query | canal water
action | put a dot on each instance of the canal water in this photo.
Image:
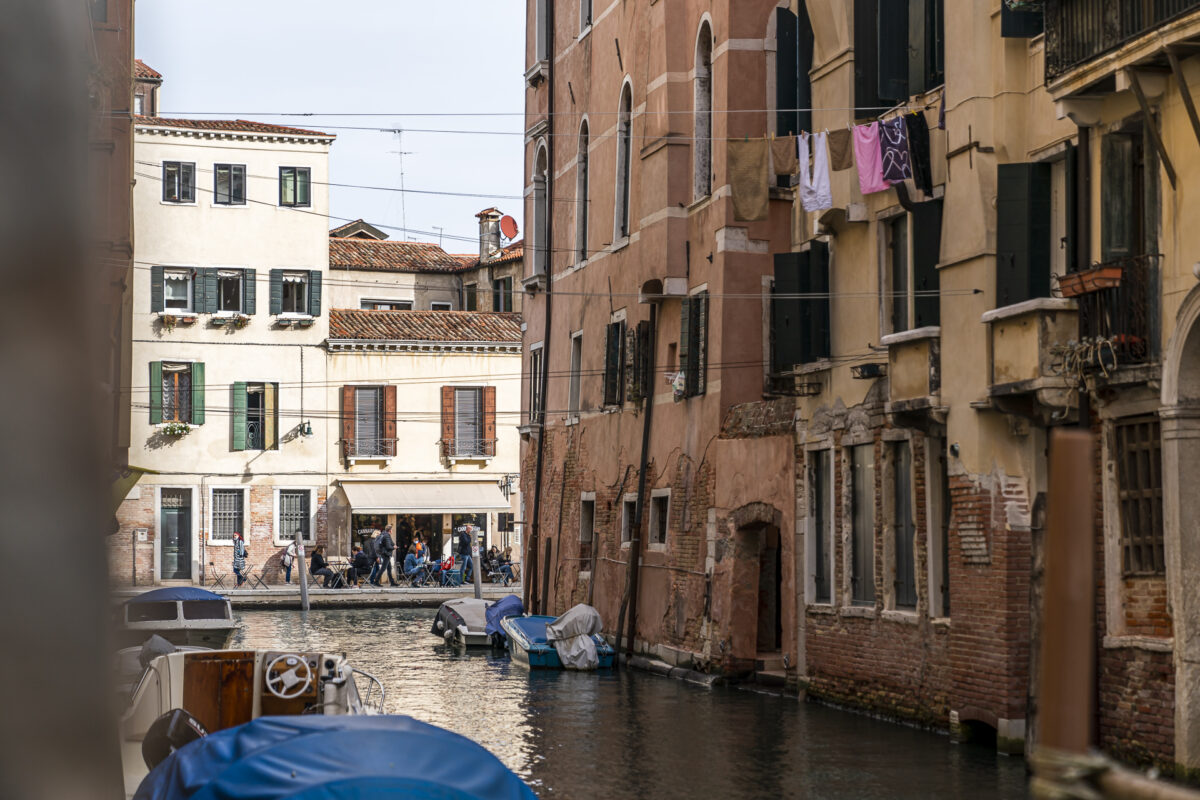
(635, 735)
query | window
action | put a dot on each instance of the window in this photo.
(628, 513)
(862, 515)
(614, 364)
(386, 305)
(541, 32)
(702, 111)
(468, 424)
(897, 238)
(1026, 216)
(582, 193)
(295, 516)
(800, 315)
(585, 14)
(176, 392)
(139, 104)
(436, 306)
(502, 294)
(624, 164)
(1129, 214)
(904, 528)
(693, 344)
(587, 519)
(535, 384)
(913, 244)
(939, 528)
(793, 62)
(576, 366)
(229, 290)
(179, 182)
(470, 297)
(255, 416)
(177, 290)
(369, 422)
(294, 186)
(294, 293)
(229, 184)
(227, 511)
(660, 501)
(822, 528)
(1139, 493)
(898, 52)
(541, 213)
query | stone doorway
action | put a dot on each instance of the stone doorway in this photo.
(770, 592)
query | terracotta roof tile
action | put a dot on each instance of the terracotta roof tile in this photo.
(390, 256)
(141, 70)
(514, 252)
(424, 326)
(229, 125)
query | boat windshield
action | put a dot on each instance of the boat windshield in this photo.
(205, 609)
(150, 612)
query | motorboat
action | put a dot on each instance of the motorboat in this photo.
(187, 695)
(462, 621)
(183, 615)
(509, 606)
(571, 641)
(131, 662)
(311, 757)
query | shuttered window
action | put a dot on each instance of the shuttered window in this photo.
(638, 362)
(471, 297)
(502, 294)
(903, 528)
(1139, 492)
(295, 292)
(1022, 23)
(624, 164)
(614, 364)
(693, 344)
(800, 310)
(926, 254)
(535, 385)
(368, 420)
(177, 290)
(793, 61)
(468, 422)
(1023, 219)
(227, 514)
(862, 482)
(255, 416)
(573, 388)
(899, 51)
(176, 392)
(822, 528)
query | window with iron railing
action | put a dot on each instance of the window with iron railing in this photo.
(294, 514)
(469, 440)
(1139, 490)
(1078, 31)
(369, 440)
(227, 513)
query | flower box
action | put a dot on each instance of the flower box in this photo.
(1086, 281)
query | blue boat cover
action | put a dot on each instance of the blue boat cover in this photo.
(510, 606)
(344, 757)
(173, 593)
(534, 628)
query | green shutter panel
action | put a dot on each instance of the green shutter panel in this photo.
(249, 291)
(198, 393)
(927, 252)
(891, 27)
(700, 341)
(210, 291)
(1022, 232)
(685, 339)
(787, 72)
(314, 293)
(276, 291)
(1117, 210)
(917, 10)
(198, 294)
(156, 289)
(805, 45)
(612, 365)
(156, 398)
(815, 281)
(785, 313)
(271, 424)
(1072, 211)
(238, 416)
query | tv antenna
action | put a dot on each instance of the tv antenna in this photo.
(402, 153)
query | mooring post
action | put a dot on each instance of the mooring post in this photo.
(303, 567)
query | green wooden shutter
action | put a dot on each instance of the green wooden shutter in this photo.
(1022, 232)
(314, 293)
(156, 394)
(238, 416)
(917, 71)
(814, 280)
(199, 291)
(685, 339)
(198, 393)
(1020, 24)
(271, 422)
(787, 72)
(891, 28)
(156, 289)
(785, 312)
(805, 45)
(1117, 225)
(700, 341)
(210, 291)
(927, 252)
(249, 291)
(276, 291)
(612, 363)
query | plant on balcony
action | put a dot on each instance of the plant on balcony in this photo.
(175, 428)
(1024, 5)
(1086, 281)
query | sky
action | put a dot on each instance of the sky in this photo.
(226, 59)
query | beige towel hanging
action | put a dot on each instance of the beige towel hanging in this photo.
(841, 151)
(748, 179)
(783, 155)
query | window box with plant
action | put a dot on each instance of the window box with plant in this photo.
(174, 428)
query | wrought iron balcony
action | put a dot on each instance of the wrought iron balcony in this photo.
(1078, 31)
(469, 448)
(370, 448)
(1119, 318)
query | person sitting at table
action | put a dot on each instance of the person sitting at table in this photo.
(319, 566)
(413, 567)
(506, 561)
(360, 565)
(445, 567)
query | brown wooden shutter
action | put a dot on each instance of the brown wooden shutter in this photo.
(489, 420)
(447, 417)
(347, 418)
(389, 419)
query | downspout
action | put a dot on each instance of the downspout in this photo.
(533, 601)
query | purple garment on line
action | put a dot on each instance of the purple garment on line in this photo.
(866, 155)
(893, 150)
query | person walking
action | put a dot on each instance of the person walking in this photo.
(384, 547)
(288, 560)
(466, 537)
(318, 566)
(369, 548)
(239, 559)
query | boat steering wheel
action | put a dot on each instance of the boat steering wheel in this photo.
(292, 683)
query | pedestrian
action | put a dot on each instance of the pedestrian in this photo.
(288, 560)
(239, 559)
(368, 545)
(466, 538)
(384, 547)
(319, 566)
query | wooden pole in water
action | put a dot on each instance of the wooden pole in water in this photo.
(303, 567)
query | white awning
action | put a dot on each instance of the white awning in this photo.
(424, 497)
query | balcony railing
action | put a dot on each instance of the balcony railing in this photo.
(1078, 31)
(370, 448)
(469, 448)
(1121, 317)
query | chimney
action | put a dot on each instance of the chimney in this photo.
(489, 234)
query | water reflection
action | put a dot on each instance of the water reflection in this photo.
(635, 735)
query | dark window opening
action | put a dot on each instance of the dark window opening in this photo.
(294, 514)
(821, 502)
(614, 364)
(658, 519)
(899, 51)
(1139, 492)
(502, 294)
(904, 527)
(862, 476)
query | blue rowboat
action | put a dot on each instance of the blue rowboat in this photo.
(528, 645)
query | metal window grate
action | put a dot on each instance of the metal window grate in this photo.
(293, 513)
(1139, 492)
(227, 513)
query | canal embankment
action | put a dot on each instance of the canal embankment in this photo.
(288, 597)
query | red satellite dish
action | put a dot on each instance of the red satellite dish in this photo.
(508, 226)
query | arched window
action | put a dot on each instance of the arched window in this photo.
(581, 197)
(702, 143)
(624, 163)
(541, 212)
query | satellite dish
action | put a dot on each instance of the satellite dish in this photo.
(508, 226)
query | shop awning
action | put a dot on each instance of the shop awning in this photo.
(424, 497)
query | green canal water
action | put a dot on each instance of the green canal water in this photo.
(634, 735)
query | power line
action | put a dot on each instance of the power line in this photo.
(576, 113)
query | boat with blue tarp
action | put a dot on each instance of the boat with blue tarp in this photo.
(571, 641)
(183, 615)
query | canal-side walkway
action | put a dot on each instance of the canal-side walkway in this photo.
(284, 597)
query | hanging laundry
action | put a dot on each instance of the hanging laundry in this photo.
(748, 179)
(866, 155)
(893, 149)
(942, 113)
(783, 155)
(840, 155)
(815, 194)
(918, 148)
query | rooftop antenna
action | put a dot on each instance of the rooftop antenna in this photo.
(402, 153)
(439, 229)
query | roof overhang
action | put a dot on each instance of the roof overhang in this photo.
(424, 497)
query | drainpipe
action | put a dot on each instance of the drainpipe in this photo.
(635, 535)
(533, 601)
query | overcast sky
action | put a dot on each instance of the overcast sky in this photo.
(250, 57)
